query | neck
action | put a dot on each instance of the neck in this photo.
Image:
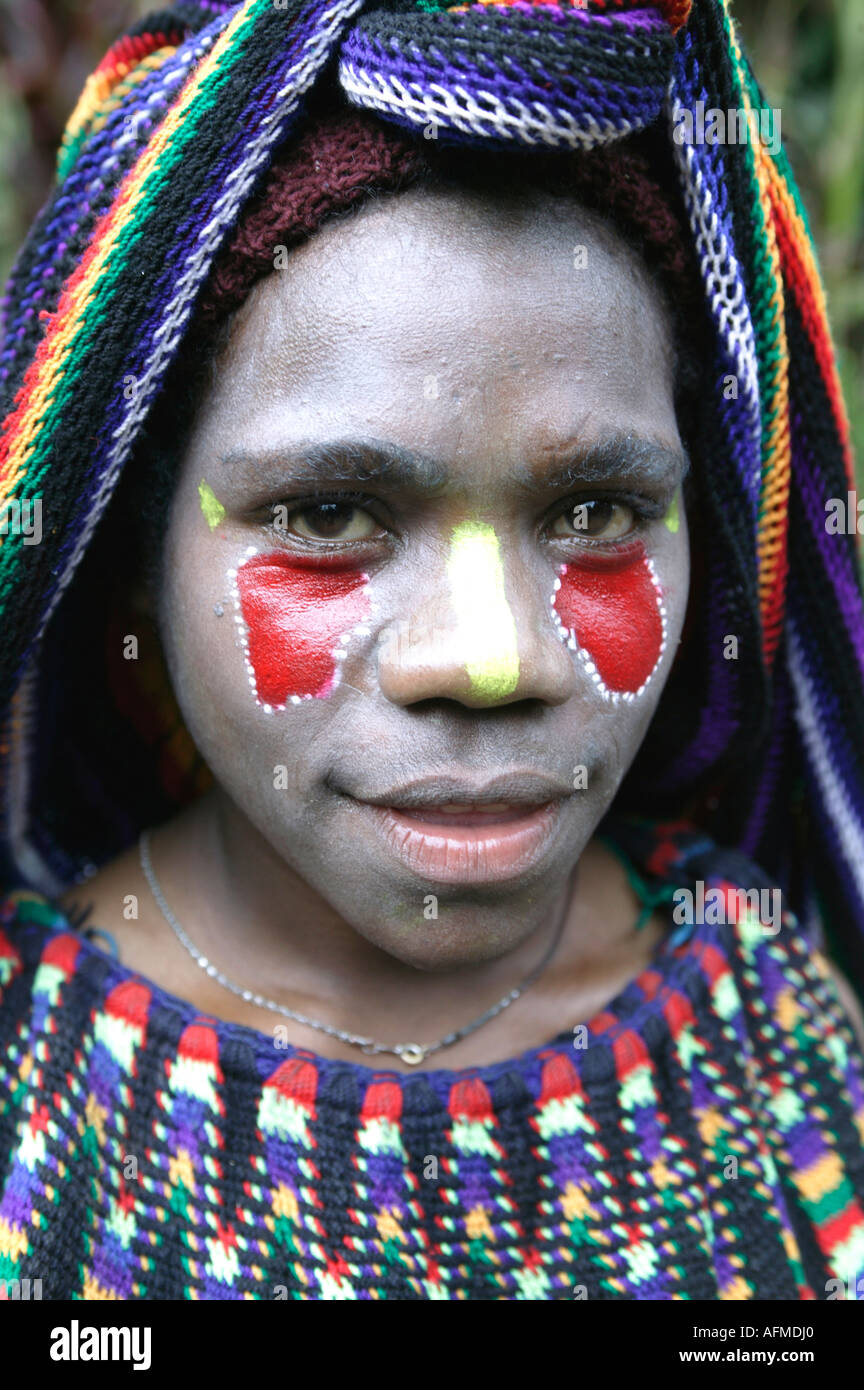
(268, 930)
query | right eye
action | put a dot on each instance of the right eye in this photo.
(598, 518)
(332, 521)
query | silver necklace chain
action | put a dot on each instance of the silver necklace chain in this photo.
(412, 1053)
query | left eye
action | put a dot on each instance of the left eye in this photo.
(333, 521)
(598, 519)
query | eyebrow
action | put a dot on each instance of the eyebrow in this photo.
(363, 461)
(615, 457)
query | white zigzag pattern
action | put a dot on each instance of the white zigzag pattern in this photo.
(457, 107)
(721, 274)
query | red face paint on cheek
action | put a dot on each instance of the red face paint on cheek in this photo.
(611, 608)
(296, 620)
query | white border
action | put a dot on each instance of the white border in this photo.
(339, 652)
(568, 637)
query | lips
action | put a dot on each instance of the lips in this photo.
(467, 813)
(448, 832)
(452, 850)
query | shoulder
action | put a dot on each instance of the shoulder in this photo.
(710, 884)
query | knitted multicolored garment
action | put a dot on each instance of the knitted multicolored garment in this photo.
(706, 1140)
(701, 1138)
(173, 135)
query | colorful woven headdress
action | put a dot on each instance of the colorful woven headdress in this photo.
(174, 134)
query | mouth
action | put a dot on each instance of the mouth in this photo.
(450, 833)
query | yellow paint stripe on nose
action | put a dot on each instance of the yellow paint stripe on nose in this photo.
(486, 626)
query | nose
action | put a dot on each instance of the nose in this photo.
(477, 636)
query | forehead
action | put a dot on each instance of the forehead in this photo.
(455, 323)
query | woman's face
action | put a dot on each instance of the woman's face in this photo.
(426, 563)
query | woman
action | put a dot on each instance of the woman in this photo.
(390, 750)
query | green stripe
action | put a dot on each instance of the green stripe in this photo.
(830, 1205)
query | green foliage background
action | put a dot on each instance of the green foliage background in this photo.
(808, 56)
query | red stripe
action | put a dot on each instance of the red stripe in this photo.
(795, 274)
(131, 48)
(839, 1228)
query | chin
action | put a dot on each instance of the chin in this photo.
(461, 935)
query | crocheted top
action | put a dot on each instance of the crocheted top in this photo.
(702, 1137)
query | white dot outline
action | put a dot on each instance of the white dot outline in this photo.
(339, 652)
(568, 637)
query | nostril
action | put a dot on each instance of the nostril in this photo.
(470, 644)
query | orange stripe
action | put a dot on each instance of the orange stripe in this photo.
(803, 274)
(777, 459)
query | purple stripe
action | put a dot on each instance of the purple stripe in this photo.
(772, 764)
(846, 887)
(832, 726)
(718, 721)
(623, 106)
(628, 19)
(837, 559)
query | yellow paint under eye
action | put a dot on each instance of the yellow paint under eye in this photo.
(486, 626)
(212, 508)
(672, 519)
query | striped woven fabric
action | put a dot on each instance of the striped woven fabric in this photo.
(172, 135)
(700, 1138)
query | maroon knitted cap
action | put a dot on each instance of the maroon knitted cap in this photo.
(346, 155)
(340, 159)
